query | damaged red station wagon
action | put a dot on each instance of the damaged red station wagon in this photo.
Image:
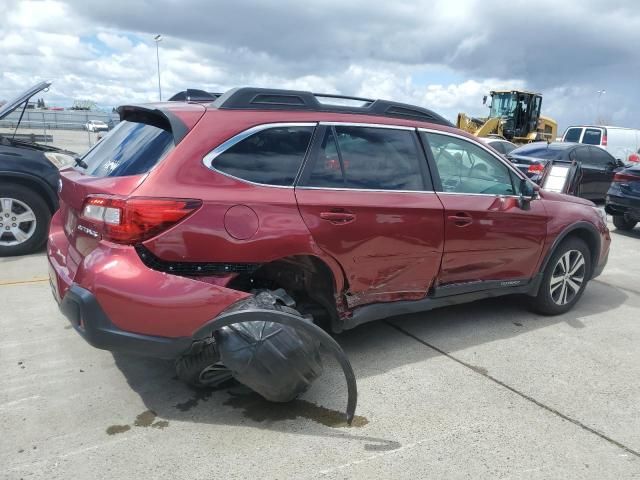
(343, 210)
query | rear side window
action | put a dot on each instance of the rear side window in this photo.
(573, 135)
(368, 158)
(592, 136)
(131, 148)
(270, 157)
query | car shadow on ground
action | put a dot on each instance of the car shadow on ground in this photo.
(635, 233)
(374, 349)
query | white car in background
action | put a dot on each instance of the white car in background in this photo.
(622, 143)
(96, 126)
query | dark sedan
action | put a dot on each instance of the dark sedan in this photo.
(623, 198)
(597, 165)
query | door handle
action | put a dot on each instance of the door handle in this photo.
(461, 219)
(338, 218)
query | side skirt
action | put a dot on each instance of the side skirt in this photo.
(443, 297)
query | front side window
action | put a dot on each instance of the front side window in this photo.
(466, 168)
(600, 158)
(367, 158)
(271, 157)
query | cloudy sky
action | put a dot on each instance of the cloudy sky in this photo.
(441, 54)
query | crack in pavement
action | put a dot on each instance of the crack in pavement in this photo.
(517, 392)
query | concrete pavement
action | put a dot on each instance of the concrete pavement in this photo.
(485, 390)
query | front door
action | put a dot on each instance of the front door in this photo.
(366, 197)
(489, 239)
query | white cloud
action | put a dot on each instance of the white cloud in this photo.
(104, 51)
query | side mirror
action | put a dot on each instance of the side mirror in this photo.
(528, 193)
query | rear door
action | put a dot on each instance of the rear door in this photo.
(489, 240)
(367, 199)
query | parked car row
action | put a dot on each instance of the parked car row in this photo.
(622, 143)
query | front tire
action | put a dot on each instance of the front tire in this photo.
(565, 278)
(24, 220)
(623, 222)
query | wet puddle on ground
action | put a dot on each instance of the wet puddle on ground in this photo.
(256, 408)
(145, 419)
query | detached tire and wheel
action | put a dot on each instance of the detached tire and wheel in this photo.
(565, 278)
(24, 220)
(203, 369)
(623, 222)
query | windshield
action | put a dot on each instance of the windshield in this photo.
(502, 105)
(130, 148)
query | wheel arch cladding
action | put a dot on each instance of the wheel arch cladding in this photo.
(584, 231)
(33, 183)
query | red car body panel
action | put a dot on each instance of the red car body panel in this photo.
(390, 250)
(500, 241)
(383, 246)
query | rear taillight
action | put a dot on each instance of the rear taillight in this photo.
(535, 168)
(133, 220)
(604, 140)
(625, 177)
(634, 158)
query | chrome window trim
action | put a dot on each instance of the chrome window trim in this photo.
(486, 148)
(346, 189)
(367, 125)
(208, 159)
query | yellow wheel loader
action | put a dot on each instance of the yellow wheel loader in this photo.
(514, 115)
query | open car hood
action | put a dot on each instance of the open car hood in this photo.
(15, 102)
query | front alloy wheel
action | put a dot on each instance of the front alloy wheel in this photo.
(17, 222)
(567, 277)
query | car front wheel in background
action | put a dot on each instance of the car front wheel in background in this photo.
(24, 220)
(623, 222)
(565, 278)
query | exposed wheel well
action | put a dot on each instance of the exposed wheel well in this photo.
(306, 278)
(32, 185)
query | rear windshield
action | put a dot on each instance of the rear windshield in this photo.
(573, 135)
(592, 136)
(131, 148)
(544, 151)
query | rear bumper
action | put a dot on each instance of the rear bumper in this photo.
(616, 205)
(89, 319)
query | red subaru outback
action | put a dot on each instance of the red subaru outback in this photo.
(344, 210)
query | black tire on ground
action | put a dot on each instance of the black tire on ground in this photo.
(544, 302)
(42, 214)
(203, 369)
(623, 222)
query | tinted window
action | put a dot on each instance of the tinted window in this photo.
(498, 146)
(600, 158)
(508, 147)
(581, 155)
(271, 157)
(131, 148)
(368, 158)
(591, 136)
(573, 135)
(466, 168)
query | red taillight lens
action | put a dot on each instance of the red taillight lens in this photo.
(604, 140)
(634, 157)
(626, 177)
(536, 168)
(134, 220)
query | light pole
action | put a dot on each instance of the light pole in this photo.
(158, 39)
(599, 92)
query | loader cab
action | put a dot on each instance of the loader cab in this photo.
(519, 111)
